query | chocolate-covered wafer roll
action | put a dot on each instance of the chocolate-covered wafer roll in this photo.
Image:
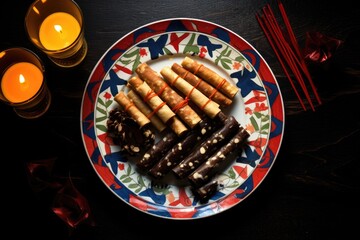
(176, 102)
(182, 148)
(207, 105)
(207, 148)
(203, 86)
(205, 192)
(158, 150)
(210, 167)
(210, 76)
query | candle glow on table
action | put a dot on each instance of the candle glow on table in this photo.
(58, 31)
(21, 82)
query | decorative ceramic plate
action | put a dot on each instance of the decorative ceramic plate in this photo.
(258, 107)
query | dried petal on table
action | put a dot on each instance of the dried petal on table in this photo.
(319, 47)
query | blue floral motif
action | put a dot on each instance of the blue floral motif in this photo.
(249, 158)
(204, 41)
(113, 159)
(245, 82)
(113, 83)
(149, 192)
(156, 47)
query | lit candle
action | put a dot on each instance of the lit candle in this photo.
(21, 81)
(58, 31)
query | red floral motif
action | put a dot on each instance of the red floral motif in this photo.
(121, 166)
(122, 69)
(184, 200)
(107, 95)
(250, 128)
(260, 107)
(142, 52)
(237, 66)
(175, 40)
(203, 52)
(258, 97)
(258, 144)
(248, 111)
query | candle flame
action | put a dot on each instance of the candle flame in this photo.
(58, 28)
(21, 78)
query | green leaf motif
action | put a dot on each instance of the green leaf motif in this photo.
(231, 174)
(133, 185)
(167, 51)
(101, 127)
(141, 181)
(190, 47)
(258, 115)
(123, 176)
(125, 61)
(225, 62)
(131, 54)
(265, 126)
(100, 119)
(102, 111)
(108, 103)
(239, 58)
(233, 185)
(128, 170)
(101, 102)
(127, 180)
(136, 63)
(254, 123)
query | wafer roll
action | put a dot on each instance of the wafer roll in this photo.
(210, 76)
(206, 148)
(177, 103)
(146, 110)
(162, 110)
(131, 109)
(210, 167)
(154, 101)
(210, 107)
(203, 86)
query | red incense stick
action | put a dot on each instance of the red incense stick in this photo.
(280, 60)
(297, 48)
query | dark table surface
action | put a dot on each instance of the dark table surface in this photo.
(311, 192)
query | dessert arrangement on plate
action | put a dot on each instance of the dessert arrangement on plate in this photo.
(183, 104)
(182, 118)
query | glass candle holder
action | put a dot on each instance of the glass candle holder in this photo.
(56, 27)
(23, 84)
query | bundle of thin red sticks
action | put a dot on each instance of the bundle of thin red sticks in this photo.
(288, 52)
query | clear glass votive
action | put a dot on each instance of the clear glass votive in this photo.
(23, 85)
(56, 27)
